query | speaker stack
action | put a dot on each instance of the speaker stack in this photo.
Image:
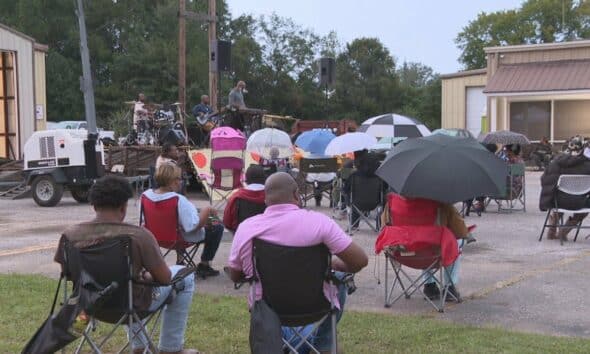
(221, 55)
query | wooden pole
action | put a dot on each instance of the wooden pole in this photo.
(182, 54)
(212, 69)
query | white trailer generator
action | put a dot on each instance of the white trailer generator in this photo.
(59, 159)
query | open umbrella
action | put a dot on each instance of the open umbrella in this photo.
(263, 140)
(350, 142)
(505, 137)
(394, 125)
(315, 141)
(443, 168)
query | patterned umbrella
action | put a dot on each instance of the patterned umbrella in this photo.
(394, 125)
(505, 137)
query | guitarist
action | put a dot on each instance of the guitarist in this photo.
(202, 110)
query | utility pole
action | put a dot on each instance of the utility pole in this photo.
(211, 19)
(86, 79)
(213, 51)
(182, 54)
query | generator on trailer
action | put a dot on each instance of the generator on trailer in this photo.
(55, 160)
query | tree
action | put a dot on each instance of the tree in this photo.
(536, 21)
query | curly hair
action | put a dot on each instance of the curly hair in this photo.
(110, 192)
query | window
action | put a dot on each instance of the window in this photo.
(532, 119)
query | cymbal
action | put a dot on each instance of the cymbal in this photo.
(176, 104)
(129, 102)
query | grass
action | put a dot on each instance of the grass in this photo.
(219, 324)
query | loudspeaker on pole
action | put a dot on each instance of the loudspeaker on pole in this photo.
(327, 72)
(221, 55)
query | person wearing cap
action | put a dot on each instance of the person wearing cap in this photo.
(575, 161)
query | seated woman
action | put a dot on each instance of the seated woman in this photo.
(195, 226)
(274, 163)
(446, 215)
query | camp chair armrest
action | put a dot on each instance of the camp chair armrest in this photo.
(180, 275)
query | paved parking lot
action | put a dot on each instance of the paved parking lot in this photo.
(508, 278)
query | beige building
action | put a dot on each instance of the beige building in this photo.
(540, 90)
(22, 90)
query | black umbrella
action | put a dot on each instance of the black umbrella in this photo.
(443, 168)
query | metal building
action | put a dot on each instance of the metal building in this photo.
(540, 90)
(22, 90)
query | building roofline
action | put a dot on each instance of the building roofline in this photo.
(538, 47)
(464, 73)
(37, 46)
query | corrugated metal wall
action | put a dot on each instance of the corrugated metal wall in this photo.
(24, 72)
(40, 90)
(453, 99)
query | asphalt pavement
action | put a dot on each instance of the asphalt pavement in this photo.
(507, 279)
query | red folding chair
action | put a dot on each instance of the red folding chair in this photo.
(161, 218)
(415, 240)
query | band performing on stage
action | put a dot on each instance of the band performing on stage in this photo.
(154, 124)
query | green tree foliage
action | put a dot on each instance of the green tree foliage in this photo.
(536, 21)
(134, 44)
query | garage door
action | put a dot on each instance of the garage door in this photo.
(476, 104)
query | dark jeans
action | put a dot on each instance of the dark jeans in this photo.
(213, 235)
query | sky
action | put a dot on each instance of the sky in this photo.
(413, 30)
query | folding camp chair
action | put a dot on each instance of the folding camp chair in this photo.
(161, 218)
(308, 184)
(248, 209)
(292, 280)
(573, 186)
(366, 196)
(102, 276)
(338, 196)
(227, 163)
(515, 190)
(413, 219)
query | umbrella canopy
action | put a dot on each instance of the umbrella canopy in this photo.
(387, 143)
(463, 133)
(350, 142)
(505, 137)
(443, 168)
(263, 140)
(394, 125)
(315, 141)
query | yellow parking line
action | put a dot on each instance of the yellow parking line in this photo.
(526, 275)
(29, 249)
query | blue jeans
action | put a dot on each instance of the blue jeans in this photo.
(322, 340)
(452, 271)
(174, 315)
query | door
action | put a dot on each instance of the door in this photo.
(475, 102)
(8, 113)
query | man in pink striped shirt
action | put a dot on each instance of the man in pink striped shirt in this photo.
(285, 223)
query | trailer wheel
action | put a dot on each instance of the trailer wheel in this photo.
(46, 192)
(80, 194)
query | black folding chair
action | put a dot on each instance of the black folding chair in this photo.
(309, 189)
(104, 273)
(247, 209)
(366, 196)
(292, 280)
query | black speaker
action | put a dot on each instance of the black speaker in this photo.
(327, 72)
(221, 55)
(172, 136)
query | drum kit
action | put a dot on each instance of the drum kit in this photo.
(152, 123)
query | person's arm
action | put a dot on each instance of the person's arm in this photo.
(152, 260)
(237, 276)
(190, 219)
(350, 256)
(160, 274)
(351, 260)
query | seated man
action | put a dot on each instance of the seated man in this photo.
(253, 192)
(575, 162)
(285, 223)
(194, 225)
(109, 196)
(450, 218)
